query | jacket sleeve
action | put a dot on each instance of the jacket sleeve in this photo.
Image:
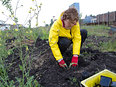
(76, 40)
(53, 40)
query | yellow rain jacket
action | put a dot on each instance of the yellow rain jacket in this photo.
(57, 30)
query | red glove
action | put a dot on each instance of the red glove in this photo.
(62, 64)
(74, 61)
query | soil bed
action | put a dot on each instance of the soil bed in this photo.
(49, 74)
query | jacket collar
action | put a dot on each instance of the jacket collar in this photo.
(62, 22)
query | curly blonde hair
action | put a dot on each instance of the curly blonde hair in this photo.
(71, 14)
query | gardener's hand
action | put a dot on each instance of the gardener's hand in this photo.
(74, 62)
(62, 63)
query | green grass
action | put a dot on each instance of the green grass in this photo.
(97, 30)
(109, 46)
(101, 30)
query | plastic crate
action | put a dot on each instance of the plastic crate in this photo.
(95, 79)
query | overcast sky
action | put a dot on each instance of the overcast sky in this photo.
(52, 8)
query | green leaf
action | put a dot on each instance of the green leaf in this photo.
(30, 80)
(21, 67)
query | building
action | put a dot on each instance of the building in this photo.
(89, 19)
(1, 22)
(76, 5)
(4, 26)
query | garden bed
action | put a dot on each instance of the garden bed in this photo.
(47, 72)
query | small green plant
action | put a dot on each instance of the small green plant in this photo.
(23, 38)
(109, 46)
(74, 81)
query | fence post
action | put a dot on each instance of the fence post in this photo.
(108, 18)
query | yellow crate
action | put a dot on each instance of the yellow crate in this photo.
(90, 82)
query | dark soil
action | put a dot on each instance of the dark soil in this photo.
(47, 72)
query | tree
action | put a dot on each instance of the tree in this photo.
(13, 13)
(52, 20)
